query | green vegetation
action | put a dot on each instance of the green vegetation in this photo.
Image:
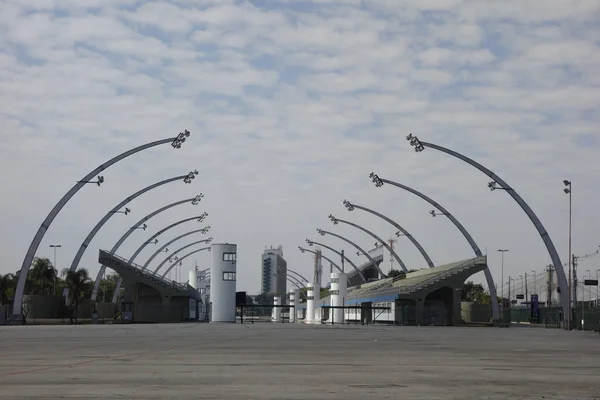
(43, 279)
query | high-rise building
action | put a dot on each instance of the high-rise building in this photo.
(273, 277)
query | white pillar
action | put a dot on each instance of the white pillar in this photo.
(292, 302)
(338, 296)
(193, 278)
(310, 303)
(313, 311)
(276, 314)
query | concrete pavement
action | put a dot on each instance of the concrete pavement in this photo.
(293, 361)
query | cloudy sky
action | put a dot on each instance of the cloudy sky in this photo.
(291, 105)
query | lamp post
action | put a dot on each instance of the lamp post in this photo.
(562, 280)
(323, 232)
(502, 251)
(117, 209)
(401, 231)
(335, 221)
(54, 247)
(379, 182)
(567, 190)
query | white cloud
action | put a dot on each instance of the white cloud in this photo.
(290, 108)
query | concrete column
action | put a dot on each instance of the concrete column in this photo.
(420, 312)
(310, 303)
(276, 314)
(456, 297)
(166, 309)
(292, 302)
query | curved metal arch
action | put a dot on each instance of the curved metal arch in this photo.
(139, 250)
(374, 236)
(126, 235)
(183, 258)
(302, 249)
(157, 234)
(560, 272)
(488, 275)
(297, 274)
(310, 242)
(153, 256)
(176, 252)
(298, 286)
(366, 253)
(109, 215)
(37, 239)
(397, 226)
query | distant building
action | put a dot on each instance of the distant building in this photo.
(273, 271)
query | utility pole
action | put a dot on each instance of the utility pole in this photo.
(574, 263)
(526, 298)
(509, 298)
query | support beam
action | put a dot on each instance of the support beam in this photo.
(37, 239)
(183, 258)
(351, 207)
(374, 236)
(199, 218)
(204, 231)
(358, 271)
(136, 226)
(302, 249)
(112, 212)
(357, 247)
(173, 254)
(488, 275)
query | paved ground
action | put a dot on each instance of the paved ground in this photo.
(275, 361)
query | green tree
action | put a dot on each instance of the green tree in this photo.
(263, 299)
(474, 292)
(7, 288)
(79, 283)
(397, 274)
(43, 276)
(107, 286)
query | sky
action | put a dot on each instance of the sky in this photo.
(291, 104)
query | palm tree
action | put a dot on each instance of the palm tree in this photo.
(7, 288)
(43, 275)
(78, 283)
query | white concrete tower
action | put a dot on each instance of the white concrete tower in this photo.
(313, 295)
(223, 282)
(294, 300)
(339, 292)
(193, 278)
(276, 314)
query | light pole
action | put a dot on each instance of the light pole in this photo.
(54, 247)
(401, 231)
(597, 278)
(176, 142)
(502, 251)
(335, 221)
(568, 190)
(379, 182)
(562, 280)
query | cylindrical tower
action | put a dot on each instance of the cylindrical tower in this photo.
(294, 300)
(338, 296)
(310, 303)
(223, 282)
(313, 295)
(276, 315)
(193, 278)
